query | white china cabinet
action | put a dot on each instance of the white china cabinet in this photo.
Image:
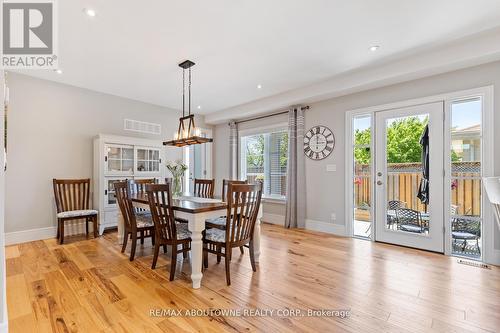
(117, 158)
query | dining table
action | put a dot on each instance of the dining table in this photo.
(196, 211)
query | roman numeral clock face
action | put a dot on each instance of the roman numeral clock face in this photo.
(319, 142)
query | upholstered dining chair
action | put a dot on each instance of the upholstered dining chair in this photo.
(204, 188)
(72, 198)
(167, 231)
(139, 186)
(133, 222)
(220, 222)
(242, 210)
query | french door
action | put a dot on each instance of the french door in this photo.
(409, 186)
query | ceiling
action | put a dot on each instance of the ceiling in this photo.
(131, 48)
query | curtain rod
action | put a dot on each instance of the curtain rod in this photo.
(269, 115)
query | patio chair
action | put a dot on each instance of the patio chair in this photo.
(465, 230)
(409, 220)
(394, 205)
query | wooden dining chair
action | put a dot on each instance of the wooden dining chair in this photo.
(204, 188)
(139, 186)
(72, 198)
(133, 223)
(220, 222)
(167, 231)
(242, 210)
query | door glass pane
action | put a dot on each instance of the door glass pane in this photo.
(362, 177)
(114, 165)
(466, 214)
(407, 181)
(128, 153)
(127, 165)
(114, 152)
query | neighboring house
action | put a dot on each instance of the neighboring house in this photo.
(466, 143)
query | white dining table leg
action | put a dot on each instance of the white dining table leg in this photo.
(120, 223)
(256, 236)
(196, 224)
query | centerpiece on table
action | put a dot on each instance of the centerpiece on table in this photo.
(177, 170)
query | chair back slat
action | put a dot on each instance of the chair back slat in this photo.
(242, 210)
(225, 184)
(71, 194)
(204, 188)
(408, 216)
(159, 197)
(126, 205)
(139, 185)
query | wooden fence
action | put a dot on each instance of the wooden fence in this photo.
(403, 181)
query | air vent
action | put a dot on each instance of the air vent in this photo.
(142, 127)
(473, 263)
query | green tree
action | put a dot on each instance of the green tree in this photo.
(403, 141)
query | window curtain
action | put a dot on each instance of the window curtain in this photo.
(296, 188)
(233, 150)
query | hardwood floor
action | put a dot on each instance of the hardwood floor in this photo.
(89, 286)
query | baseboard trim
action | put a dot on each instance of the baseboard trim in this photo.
(330, 228)
(495, 258)
(273, 219)
(4, 327)
(23, 236)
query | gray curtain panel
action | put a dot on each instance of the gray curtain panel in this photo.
(233, 150)
(296, 187)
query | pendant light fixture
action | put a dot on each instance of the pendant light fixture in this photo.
(187, 133)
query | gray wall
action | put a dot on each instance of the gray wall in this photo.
(3, 297)
(50, 132)
(326, 191)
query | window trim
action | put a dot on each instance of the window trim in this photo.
(279, 127)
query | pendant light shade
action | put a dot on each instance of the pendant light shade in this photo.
(187, 133)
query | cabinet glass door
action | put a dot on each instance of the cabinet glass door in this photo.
(109, 191)
(148, 160)
(120, 159)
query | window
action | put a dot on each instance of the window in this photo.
(361, 164)
(264, 158)
(466, 172)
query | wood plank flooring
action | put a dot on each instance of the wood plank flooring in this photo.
(89, 286)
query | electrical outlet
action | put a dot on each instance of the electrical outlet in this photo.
(333, 216)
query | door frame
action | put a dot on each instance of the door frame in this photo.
(490, 255)
(206, 154)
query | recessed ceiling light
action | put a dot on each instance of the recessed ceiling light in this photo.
(374, 48)
(89, 12)
(259, 86)
(199, 107)
(58, 71)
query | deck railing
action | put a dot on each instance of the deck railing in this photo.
(403, 181)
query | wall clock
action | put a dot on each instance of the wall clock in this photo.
(319, 142)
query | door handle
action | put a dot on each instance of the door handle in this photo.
(379, 174)
(379, 182)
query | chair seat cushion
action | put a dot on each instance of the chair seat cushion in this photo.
(144, 219)
(463, 235)
(182, 231)
(217, 221)
(215, 235)
(76, 213)
(410, 228)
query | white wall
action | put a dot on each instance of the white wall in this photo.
(325, 191)
(51, 128)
